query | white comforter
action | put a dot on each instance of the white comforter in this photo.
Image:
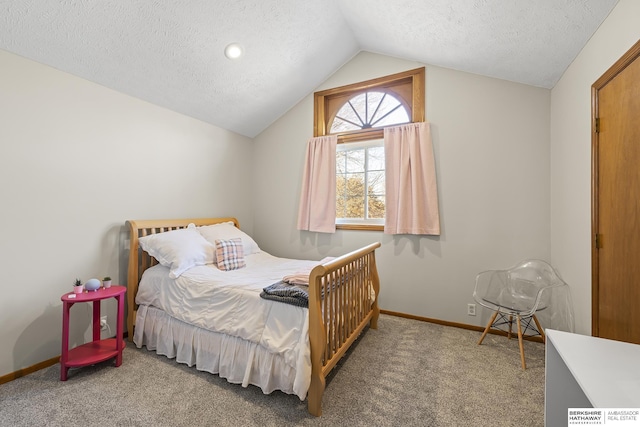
(229, 302)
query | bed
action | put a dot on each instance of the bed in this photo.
(292, 348)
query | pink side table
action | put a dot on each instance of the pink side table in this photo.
(97, 350)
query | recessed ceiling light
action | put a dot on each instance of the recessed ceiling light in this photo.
(233, 51)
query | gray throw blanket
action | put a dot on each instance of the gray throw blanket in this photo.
(287, 293)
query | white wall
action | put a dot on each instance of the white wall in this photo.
(491, 143)
(571, 153)
(77, 161)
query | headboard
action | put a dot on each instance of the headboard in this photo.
(139, 260)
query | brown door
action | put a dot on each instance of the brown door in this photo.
(616, 201)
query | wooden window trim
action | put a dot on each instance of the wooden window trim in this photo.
(370, 227)
(415, 78)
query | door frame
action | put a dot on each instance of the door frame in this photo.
(622, 63)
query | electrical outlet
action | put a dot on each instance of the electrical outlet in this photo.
(471, 309)
(103, 323)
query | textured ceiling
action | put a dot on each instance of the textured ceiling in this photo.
(171, 53)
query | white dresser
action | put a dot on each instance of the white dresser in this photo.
(588, 372)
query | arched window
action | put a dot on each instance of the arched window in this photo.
(372, 109)
(360, 111)
(358, 114)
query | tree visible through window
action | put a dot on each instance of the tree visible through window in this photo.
(360, 182)
(358, 114)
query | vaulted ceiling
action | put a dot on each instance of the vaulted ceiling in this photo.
(171, 53)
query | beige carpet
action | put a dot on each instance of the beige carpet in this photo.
(406, 373)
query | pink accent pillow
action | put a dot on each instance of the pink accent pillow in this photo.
(230, 254)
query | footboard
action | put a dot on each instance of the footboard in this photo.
(343, 299)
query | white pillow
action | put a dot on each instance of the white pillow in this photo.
(179, 249)
(228, 231)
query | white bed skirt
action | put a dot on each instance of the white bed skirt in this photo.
(237, 360)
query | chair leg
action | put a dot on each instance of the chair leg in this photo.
(486, 330)
(510, 326)
(524, 365)
(544, 337)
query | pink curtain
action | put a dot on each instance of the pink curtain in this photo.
(411, 192)
(317, 210)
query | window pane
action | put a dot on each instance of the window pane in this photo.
(374, 99)
(388, 103)
(350, 116)
(355, 207)
(397, 117)
(340, 207)
(341, 158)
(376, 206)
(376, 182)
(354, 185)
(341, 196)
(340, 125)
(376, 158)
(382, 107)
(350, 195)
(357, 106)
(355, 160)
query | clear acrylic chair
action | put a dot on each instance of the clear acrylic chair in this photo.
(523, 294)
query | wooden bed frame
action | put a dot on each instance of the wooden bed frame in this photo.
(340, 301)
